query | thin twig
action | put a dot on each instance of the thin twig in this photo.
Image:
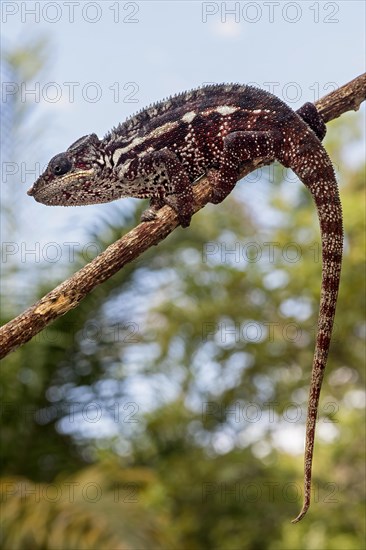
(68, 294)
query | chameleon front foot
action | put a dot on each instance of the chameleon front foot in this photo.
(218, 191)
(182, 206)
(183, 211)
(148, 215)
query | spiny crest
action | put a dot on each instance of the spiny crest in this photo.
(143, 117)
(90, 141)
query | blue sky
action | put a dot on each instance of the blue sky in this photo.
(109, 59)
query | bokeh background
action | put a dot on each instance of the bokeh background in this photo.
(168, 410)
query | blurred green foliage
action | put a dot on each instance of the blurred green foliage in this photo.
(165, 411)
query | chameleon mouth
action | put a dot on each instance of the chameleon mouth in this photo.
(79, 177)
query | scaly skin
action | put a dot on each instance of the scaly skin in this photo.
(160, 152)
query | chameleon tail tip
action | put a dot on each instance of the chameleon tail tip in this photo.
(301, 514)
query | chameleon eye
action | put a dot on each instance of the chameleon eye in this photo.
(60, 165)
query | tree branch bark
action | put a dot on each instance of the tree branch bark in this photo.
(68, 294)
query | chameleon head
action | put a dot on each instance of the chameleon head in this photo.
(69, 178)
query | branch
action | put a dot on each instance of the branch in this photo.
(68, 294)
(346, 98)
